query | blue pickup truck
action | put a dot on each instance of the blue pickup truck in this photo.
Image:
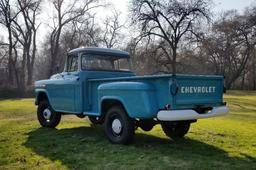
(97, 83)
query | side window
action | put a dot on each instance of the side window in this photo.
(72, 63)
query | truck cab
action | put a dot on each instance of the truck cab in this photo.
(97, 83)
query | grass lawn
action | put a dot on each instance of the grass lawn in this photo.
(218, 143)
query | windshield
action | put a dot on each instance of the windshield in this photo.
(98, 62)
(72, 63)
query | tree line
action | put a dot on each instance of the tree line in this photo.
(162, 36)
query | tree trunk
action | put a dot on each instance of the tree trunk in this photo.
(30, 75)
(174, 53)
(19, 77)
(30, 66)
(228, 85)
(10, 61)
(243, 80)
(254, 71)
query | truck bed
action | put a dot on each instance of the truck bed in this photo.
(179, 91)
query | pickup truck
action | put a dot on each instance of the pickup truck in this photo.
(96, 83)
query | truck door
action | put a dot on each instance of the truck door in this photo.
(64, 88)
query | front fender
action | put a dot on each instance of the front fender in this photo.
(137, 98)
(37, 92)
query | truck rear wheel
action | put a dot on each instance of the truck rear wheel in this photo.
(119, 127)
(46, 116)
(175, 130)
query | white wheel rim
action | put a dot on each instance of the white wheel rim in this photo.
(47, 114)
(117, 126)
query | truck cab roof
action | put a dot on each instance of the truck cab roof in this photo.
(100, 51)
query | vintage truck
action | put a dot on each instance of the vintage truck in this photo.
(96, 83)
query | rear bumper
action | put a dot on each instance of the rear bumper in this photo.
(189, 114)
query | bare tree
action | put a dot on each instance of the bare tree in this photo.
(26, 35)
(231, 45)
(251, 17)
(72, 37)
(74, 11)
(111, 36)
(7, 16)
(3, 52)
(169, 20)
(92, 33)
(87, 33)
(20, 20)
(253, 70)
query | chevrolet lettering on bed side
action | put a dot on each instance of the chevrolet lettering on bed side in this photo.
(200, 89)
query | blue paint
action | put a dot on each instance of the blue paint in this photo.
(83, 91)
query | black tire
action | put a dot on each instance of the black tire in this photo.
(175, 130)
(54, 118)
(126, 128)
(146, 125)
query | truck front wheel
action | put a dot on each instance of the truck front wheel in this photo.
(119, 127)
(175, 130)
(46, 116)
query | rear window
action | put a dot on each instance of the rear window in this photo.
(98, 62)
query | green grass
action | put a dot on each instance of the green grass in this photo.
(219, 143)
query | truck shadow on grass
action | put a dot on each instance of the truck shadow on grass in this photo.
(87, 148)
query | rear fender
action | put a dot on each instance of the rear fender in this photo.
(137, 98)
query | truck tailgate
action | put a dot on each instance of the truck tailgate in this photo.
(199, 91)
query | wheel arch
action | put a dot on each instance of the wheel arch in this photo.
(40, 96)
(107, 102)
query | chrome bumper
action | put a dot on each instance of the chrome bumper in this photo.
(188, 114)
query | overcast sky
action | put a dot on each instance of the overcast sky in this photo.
(219, 5)
(122, 6)
(232, 4)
